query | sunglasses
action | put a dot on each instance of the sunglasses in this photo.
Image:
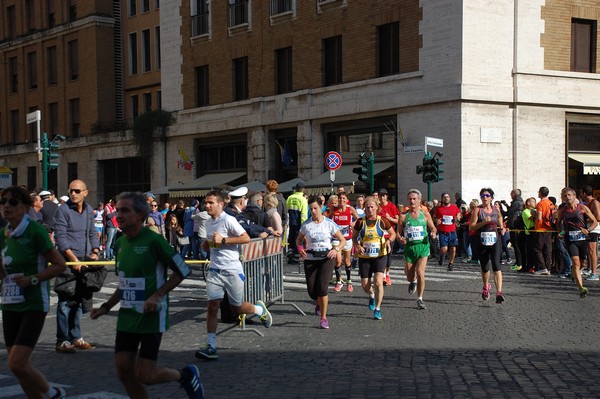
(75, 190)
(486, 195)
(11, 201)
(154, 205)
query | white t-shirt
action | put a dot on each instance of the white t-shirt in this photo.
(319, 235)
(224, 256)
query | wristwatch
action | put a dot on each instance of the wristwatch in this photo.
(33, 280)
(223, 241)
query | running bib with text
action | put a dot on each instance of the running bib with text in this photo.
(488, 238)
(11, 292)
(447, 219)
(576, 235)
(415, 233)
(133, 293)
(371, 249)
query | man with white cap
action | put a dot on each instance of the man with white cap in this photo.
(48, 209)
(235, 208)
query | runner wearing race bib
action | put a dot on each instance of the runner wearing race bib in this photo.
(143, 259)
(446, 217)
(485, 222)
(26, 250)
(572, 216)
(412, 232)
(342, 216)
(371, 251)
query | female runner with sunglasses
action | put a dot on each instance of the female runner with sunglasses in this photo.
(26, 250)
(487, 245)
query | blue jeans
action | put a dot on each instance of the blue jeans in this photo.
(467, 243)
(111, 233)
(68, 321)
(564, 255)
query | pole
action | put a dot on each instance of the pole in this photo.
(45, 161)
(428, 191)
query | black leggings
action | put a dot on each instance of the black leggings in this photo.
(318, 273)
(487, 255)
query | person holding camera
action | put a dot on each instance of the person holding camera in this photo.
(77, 240)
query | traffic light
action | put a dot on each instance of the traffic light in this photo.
(438, 170)
(363, 170)
(428, 168)
(49, 156)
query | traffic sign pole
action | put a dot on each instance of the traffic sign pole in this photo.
(333, 161)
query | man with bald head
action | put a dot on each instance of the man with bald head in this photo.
(77, 240)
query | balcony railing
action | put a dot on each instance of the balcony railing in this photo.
(200, 24)
(238, 13)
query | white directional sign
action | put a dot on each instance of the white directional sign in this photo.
(434, 142)
(34, 116)
(413, 149)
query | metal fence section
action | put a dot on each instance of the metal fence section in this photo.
(262, 260)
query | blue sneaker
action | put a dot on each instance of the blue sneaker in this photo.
(592, 277)
(190, 381)
(371, 303)
(377, 314)
(207, 352)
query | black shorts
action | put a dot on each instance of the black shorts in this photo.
(577, 248)
(149, 344)
(594, 237)
(368, 266)
(22, 328)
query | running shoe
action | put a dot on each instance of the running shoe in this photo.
(583, 292)
(317, 310)
(441, 260)
(531, 270)
(499, 297)
(65, 347)
(503, 262)
(83, 344)
(190, 381)
(592, 277)
(485, 293)
(586, 271)
(421, 304)
(60, 393)
(266, 319)
(543, 272)
(516, 268)
(349, 286)
(324, 324)
(412, 287)
(509, 261)
(388, 280)
(450, 268)
(207, 352)
(377, 314)
(338, 286)
(371, 303)
(564, 275)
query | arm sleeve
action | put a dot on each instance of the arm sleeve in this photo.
(60, 229)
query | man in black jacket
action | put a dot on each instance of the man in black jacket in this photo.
(513, 214)
(236, 208)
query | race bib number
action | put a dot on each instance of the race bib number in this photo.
(488, 238)
(415, 233)
(371, 249)
(576, 235)
(133, 293)
(447, 220)
(11, 292)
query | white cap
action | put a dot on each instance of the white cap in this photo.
(239, 192)
(44, 193)
(64, 198)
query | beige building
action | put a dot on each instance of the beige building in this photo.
(505, 85)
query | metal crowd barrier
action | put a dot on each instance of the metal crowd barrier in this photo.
(262, 260)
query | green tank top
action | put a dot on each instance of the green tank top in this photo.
(415, 229)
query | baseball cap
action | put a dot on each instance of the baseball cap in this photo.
(64, 198)
(149, 194)
(382, 191)
(299, 185)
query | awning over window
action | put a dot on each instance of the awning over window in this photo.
(202, 185)
(344, 176)
(252, 186)
(591, 162)
(288, 186)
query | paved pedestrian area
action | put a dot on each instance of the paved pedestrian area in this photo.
(541, 343)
